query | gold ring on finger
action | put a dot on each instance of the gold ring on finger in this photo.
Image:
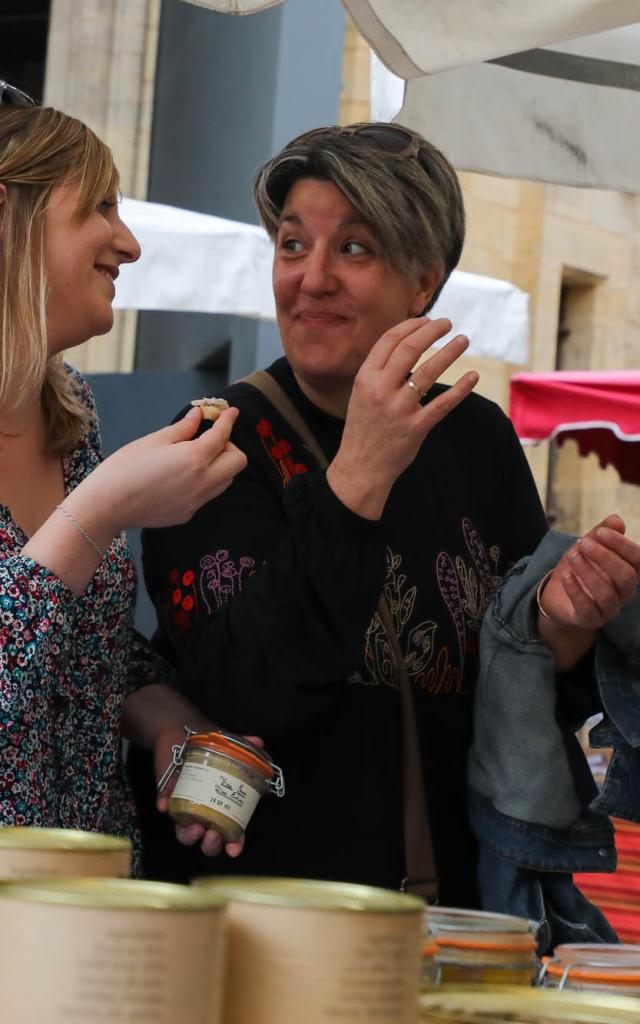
(412, 384)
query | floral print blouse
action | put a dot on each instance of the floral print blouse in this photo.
(67, 664)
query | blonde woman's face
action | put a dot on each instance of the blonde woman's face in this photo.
(82, 260)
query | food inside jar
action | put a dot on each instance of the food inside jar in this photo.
(214, 789)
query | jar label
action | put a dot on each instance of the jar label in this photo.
(218, 790)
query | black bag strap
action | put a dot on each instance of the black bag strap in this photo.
(264, 382)
(421, 876)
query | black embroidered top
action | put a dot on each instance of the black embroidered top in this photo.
(266, 603)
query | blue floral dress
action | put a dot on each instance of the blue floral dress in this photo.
(67, 664)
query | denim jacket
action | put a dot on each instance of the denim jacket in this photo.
(534, 806)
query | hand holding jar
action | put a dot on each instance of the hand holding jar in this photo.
(222, 777)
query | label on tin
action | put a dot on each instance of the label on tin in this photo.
(64, 964)
(57, 863)
(218, 790)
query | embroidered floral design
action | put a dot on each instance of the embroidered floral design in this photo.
(401, 599)
(182, 598)
(465, 589)
(221, 577)
(279, 452)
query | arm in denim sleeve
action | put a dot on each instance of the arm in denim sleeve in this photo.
(264, 599)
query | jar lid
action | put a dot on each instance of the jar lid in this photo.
(112, 893)
(310, 894)
(525, 945)
(596, 953)
(526, 1006)
(236, 747)
(456, 920)
(613, 964)
(23, 837)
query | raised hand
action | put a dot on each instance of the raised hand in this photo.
(159, 480)
(386, 423)
(163, 478)
(594, 579)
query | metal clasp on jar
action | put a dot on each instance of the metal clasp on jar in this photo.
(177, 758)
(276, 784)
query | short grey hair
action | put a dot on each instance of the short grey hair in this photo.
(411, 201)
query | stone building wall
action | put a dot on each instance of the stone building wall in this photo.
(101, 68)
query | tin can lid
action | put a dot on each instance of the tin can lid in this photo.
(312, 894)
(523, 1005)
(453, 919)
(112, 894)
(236, 747)
(22, 837)
(597, 954)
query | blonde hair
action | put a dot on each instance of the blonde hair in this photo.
(412, 202)
(41, 148)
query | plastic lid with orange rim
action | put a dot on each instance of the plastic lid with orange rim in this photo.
(597, 964)
(235, 747)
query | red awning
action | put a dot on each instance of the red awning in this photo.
(599, 410)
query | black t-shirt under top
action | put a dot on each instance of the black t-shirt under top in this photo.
(266, 603)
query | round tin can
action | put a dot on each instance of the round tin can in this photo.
(222, 777)
(593, 968)
(319, 952)
(480, 948)
(56, 852)
(517, 1005)
(106, 950)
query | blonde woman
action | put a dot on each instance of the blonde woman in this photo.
(73, 674)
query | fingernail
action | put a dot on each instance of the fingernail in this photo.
(193, 414)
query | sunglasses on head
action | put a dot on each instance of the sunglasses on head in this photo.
(392, 138)
(11, 96)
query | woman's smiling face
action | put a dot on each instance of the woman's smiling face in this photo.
(82, 258)
(335, 295)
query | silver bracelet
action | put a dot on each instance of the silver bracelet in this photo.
(78, 526)
(539, 592)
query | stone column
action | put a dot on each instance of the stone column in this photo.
(101, 62)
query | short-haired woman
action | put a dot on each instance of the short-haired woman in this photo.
(72, 668)
(267, 599)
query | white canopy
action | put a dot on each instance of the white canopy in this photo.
(198, 263)
(543, 89)
(423, 37)
(561, 112)
(236, 6)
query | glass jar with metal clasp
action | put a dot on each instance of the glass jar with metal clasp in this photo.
(480, 948)
(222, 777)
(593, 967)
